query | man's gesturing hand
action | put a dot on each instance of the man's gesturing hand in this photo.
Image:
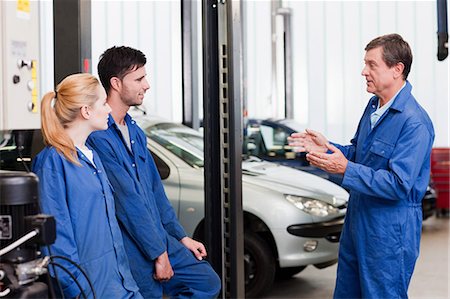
(333, 163)
(196, 247)
(308, 141)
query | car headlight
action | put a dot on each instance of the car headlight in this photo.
(311, 206)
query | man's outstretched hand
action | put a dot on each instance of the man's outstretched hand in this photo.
(308, 141)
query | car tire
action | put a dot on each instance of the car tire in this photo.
(259, 266)
(285, 273)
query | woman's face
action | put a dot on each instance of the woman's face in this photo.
(99, 111)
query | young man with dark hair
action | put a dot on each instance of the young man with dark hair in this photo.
(162, 258)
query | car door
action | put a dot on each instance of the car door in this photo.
(183, 185)
(170, 178)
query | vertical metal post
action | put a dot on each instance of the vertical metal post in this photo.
(72, 37)
(275, 5)
(213, 190)
(189, 65)
(245, 56)
(288, 76)
(233, 135)
(282, 89)
(223, 142)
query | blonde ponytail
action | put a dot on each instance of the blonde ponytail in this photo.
(61, 107)
(53, 131)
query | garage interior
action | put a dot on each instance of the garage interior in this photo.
(213, 66)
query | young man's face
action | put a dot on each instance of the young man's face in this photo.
(379, 77)
(134, 86)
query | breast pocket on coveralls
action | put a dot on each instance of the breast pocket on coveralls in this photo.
(381, 152)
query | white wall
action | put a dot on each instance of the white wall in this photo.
(154, 27)
(258, 58)
(328, 48)
(328, 39)
(46, 47)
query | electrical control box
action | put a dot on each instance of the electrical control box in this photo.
(19, 64)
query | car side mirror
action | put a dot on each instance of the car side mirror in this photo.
(251, 146)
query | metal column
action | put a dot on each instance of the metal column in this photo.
(190, 56)
(72, 37)
(282, 78)
(288, 75)
(222, 62)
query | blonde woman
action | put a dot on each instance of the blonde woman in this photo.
(74, 189)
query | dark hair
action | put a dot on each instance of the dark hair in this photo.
(117, 62)
(395, 50)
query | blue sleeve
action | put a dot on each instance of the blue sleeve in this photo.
(168, 216)
(53, 202)
(407, 159)
(131, 202)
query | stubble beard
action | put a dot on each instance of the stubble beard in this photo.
(133, 102)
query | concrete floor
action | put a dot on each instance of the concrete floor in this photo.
(430, 279)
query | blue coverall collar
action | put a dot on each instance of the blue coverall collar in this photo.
(111, 120)
(400, 100)
(83, 157)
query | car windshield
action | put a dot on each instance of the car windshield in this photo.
(184, 142)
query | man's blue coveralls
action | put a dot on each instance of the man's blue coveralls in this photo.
(148, 221)
(81, 200)
(387, 174)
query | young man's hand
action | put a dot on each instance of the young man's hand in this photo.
(163, 268)
(196, 247)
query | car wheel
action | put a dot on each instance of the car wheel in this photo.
(259, 266)
(285, 273)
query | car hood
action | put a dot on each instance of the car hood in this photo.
(291, 181)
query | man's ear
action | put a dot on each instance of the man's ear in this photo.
(398, 70)
(115, 82)
(85, 113)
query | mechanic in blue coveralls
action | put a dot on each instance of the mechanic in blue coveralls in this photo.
(74, 188)
(386, 168)
(162, 258)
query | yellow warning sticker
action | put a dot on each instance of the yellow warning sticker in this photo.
(23, 6)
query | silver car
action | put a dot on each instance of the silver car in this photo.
(291, 218)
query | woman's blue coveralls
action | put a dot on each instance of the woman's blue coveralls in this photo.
(148, 221)
(87, 232)
(387, 174)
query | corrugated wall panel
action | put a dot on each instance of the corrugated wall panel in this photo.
(259, 58)
(300, 62)
(46, 63)
(335, 69)
(328, 39)
(335, 33)
(317, 71)
(154, 27)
